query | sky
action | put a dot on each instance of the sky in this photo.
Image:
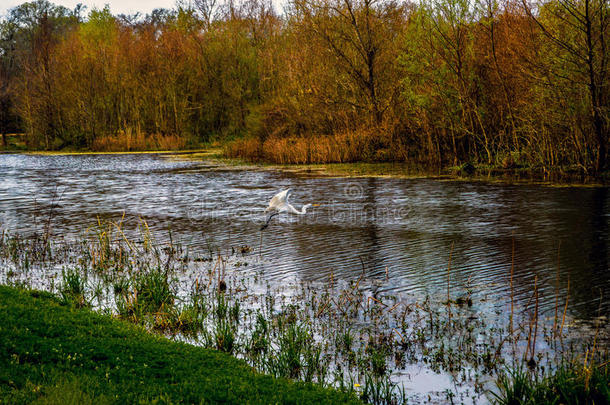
(116, 6)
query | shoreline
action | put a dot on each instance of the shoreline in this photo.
(559, 177)
(400, 170)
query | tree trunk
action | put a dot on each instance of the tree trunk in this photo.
(594, 90)
(601, 141)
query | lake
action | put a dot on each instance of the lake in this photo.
(402, 229)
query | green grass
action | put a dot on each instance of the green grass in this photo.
(52, 352)
(570, 384)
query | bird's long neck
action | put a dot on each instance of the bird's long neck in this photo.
(295, 211)
(304, 209)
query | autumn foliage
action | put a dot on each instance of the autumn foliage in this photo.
(440, 82)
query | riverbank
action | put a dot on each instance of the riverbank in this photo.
(558, 176)
(55, 353)
(561, 176)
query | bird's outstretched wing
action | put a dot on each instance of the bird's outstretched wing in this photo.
(280, 198)
(277, 204)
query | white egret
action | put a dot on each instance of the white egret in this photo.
(279, 203)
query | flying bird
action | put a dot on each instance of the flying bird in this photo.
(279, 203)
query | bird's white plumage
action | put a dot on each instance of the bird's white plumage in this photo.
(279, 203)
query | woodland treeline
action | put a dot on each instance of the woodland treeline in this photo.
(443, 82)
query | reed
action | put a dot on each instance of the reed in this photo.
(127, 141)
(598, 322)
(536, 292)
(349, 146)
(448, 282)
(557, 289)
(512, 293)
(569, 383)
(565, 310)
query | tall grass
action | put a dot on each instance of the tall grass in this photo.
(571, 383)
(153, 290)
(72, 288)
(349, 146)
(128, 140)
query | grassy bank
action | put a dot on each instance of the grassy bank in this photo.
(52, 352)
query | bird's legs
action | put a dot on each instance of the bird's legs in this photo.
(268, 220)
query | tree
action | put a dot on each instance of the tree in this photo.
(38, 26)
(578, 33)
(9, 120)
(360, 36)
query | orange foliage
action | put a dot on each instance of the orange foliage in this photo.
(440, 83)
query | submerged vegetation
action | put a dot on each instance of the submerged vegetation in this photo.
(344, 334)
(457, 83)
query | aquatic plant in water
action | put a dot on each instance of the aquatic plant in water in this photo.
(337, 333)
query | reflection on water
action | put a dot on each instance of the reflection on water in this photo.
(403, 226)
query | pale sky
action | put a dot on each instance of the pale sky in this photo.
(116, 6)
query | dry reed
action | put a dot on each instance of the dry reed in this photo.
(127, 141)
(344, 147)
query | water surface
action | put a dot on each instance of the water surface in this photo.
(404, 228)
